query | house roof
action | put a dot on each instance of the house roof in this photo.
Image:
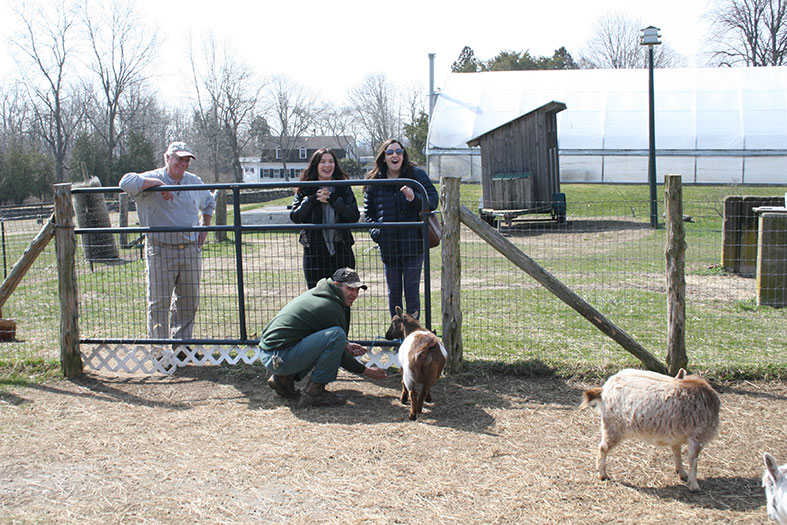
(314, 142)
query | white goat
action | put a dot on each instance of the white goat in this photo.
(660, 409)
(775, 482)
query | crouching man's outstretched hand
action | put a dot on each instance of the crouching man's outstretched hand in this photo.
(355, 349)
(375, 373)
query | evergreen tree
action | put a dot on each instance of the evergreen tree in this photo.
(138, 157)
(89, 149)
(514, 61)
(466, 63)
(25, 173)
(416, 133)
(561, 59)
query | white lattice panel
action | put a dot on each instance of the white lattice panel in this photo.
(382, 357)
(163, 360)
(130, 359)
(147, 359)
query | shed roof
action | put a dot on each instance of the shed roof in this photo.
(550, 107)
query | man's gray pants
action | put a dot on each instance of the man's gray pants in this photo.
(172, 268)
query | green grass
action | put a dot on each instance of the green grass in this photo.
(510, 324)
(32, 370)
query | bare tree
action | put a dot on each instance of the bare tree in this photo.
(415, 102)
(227, 95)
(240, 94)
(377, 106)
(615, 45)
(339, 122)
(14, 116)
(141, 112)
(123, 47)
(46, 45)
(291, 110)
(748, 32)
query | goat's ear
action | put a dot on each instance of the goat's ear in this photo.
(773, 468)
(681, 374)
(398, 311)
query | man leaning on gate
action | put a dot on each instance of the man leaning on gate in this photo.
(174, 259)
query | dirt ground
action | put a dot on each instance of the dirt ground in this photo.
(212, 445)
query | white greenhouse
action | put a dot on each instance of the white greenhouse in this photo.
(713, 126)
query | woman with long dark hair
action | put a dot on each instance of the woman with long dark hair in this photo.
(325, 250)
(401, 249)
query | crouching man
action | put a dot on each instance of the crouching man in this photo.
(310, 334)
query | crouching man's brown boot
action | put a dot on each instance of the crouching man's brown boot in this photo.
(315, 395)
(284, 386)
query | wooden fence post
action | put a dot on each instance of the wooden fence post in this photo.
(675, 254)
(451, 275)
(65, 247)
(772, 260)
(123, 217)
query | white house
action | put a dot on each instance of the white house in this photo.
(268, 165)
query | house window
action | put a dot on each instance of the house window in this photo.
(266, 173)
(278, 153)
(302, 153)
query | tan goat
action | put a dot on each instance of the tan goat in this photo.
(660, 409)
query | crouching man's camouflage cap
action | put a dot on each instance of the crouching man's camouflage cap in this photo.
(181, 150)
(349, 277)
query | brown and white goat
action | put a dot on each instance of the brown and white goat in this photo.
(657, 408)
(422, 357)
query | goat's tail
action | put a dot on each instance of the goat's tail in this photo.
(591, 398)
(428, 352)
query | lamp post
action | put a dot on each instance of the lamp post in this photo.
(650, 37)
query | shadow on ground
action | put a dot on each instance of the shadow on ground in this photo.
(739, 494)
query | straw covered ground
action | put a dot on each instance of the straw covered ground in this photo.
(214, 445)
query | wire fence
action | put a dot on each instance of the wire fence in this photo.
(606, 252)
(273, 275)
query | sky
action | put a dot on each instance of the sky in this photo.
(330, 46)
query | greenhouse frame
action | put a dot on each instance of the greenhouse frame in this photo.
(712, 125)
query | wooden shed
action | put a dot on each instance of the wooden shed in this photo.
(520, 171)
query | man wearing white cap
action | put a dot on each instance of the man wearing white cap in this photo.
(174, 259)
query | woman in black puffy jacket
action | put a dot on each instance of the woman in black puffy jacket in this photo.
(325, 250)
(401, 249)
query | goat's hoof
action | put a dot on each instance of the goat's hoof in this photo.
(683, 476)
(413, 417)
(603, 477)
(694, 487)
